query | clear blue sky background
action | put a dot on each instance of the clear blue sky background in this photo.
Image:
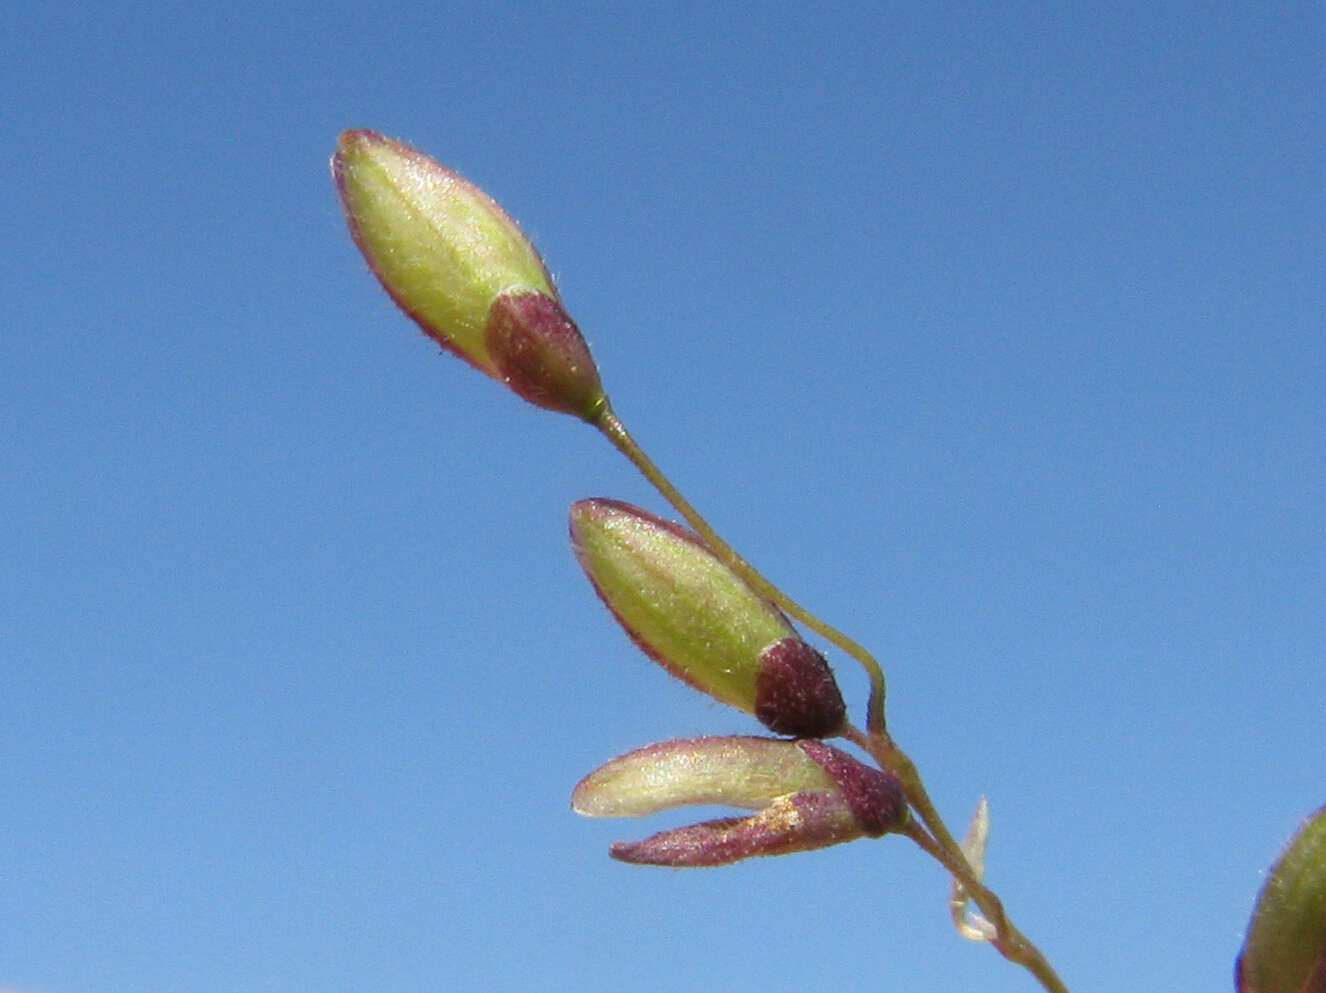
(993, 332)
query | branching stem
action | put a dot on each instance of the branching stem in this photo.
(930, 833)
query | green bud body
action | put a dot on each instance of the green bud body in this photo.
(454, 261)
(1285, 951)
(741, 771)
(696, 617)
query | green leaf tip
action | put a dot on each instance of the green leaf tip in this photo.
(1285, 950)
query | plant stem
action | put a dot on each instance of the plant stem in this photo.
(611, 426)
(1011, 943)
(940, 844)
(937, 841)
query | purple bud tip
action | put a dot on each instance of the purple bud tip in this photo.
(541, 355)
(796, 694)
(874, 796)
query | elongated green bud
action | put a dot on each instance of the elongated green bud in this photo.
(454, 261)
(1285, 951)
(806, 795)
(696, 617)
(738, 771)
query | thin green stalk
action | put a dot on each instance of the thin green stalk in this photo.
(939, 843)
(615, 431)
(1010, 942)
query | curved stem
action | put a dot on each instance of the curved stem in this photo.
(886, 752)
(1010, 942)
(931, 834)
(611, 426)
(940, 844)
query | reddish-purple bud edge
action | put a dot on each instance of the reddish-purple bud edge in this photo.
(798, 823)
(796, 694)
(541, 355)
(875, 797)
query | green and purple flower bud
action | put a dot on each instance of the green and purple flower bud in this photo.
(1285, 951)
(454, 261)
(697, 618)
(806, 795)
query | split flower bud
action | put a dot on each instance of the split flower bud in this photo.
(697, 618)
(807, 795)
(1285, 951)
(454, 261)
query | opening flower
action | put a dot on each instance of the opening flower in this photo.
(806, 795)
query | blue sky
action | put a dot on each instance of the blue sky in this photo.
(993, 333)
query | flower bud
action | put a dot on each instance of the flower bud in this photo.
(1285, 951)
(797, 822)
(454, 261)
(697, 618)
(737, 771)
(807, 795)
